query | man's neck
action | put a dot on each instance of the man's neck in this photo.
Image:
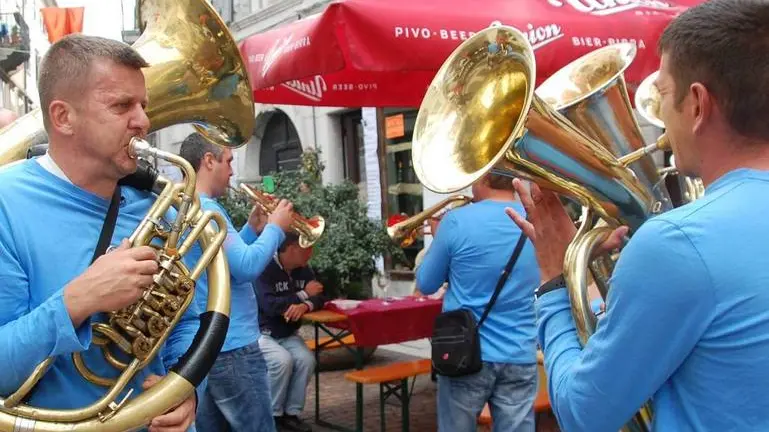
(83, 171)
(740, 155)
(202, 186)
(497, 195)
(285, 267)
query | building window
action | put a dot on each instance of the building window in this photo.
(281, 149)
(404, 192)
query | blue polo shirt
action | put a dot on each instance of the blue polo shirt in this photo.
(246, 262)
(686, 324)
(471, 248)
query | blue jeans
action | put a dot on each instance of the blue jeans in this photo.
(291, 364)
(237, 397)
(509, 389)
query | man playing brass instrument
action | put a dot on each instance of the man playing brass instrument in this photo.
(93, 96)
(470, 249)
(687, 315)
(237, 396)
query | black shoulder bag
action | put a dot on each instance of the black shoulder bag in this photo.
(456, 344)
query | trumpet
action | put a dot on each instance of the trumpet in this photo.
(406, 232)
(308, 230)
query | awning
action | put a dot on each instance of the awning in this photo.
(386, 52)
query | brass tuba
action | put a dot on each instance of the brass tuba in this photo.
(196, 75)
(405, 232)
(481, 115)
(647, 102)
(308, 230)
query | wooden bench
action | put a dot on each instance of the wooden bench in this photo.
(328, 342)
(541, 403)
(393, 380)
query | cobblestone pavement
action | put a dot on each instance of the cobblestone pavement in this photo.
(337, 402)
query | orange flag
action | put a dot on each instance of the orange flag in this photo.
(75, 19)
(60, 22)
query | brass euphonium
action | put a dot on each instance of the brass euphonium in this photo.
(308, 230)
(405, 232)
(481, 115)
(196, 75)
(647, 102)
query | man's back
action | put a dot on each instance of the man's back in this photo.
(478, 240)
(722, 379)
(686, 324)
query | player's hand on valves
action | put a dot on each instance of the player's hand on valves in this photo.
(115, 280)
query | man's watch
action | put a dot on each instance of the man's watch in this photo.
(553, 284)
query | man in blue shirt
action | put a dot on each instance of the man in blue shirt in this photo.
(687, 315)
(470, 249)
(287, 289)
(237, 396)
(92, 95)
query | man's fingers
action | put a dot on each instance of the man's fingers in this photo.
(150, 381)
(617, 238)
(523, 224)
(142, 253)
(172, 418)
(525, 196)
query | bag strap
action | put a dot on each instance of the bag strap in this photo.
(109, 226)
(503, 276)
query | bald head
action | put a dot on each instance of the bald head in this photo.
(7, 117)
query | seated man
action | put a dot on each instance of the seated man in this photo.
(287, 289)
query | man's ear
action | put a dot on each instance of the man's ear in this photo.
(62, 117)
(702, 106)
(208, 161)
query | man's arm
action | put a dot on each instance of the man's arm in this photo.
(659, 305)
(270, 301)
(27, 337)
(248, 234)
(434, 269)
(247, 261)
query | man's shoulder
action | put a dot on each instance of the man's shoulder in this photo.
(16, 174)
(271, 273)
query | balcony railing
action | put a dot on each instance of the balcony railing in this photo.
(14, 41)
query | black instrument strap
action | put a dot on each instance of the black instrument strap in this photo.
(109, 226)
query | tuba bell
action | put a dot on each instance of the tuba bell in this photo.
(196, 76)
(481, 115)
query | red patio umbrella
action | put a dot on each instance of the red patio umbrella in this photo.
(386, 53)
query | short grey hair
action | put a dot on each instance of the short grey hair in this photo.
(195, 147)
(67, 63)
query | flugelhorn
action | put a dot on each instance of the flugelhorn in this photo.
(405, 232)
(308, 230)
(196, 75)
(481, 115)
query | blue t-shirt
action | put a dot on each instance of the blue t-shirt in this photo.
(48, 233)
(686, 324)
(471, 248)
(246, 263)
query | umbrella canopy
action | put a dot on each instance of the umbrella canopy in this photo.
(386, 53)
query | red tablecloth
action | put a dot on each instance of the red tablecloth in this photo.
(374, 323)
